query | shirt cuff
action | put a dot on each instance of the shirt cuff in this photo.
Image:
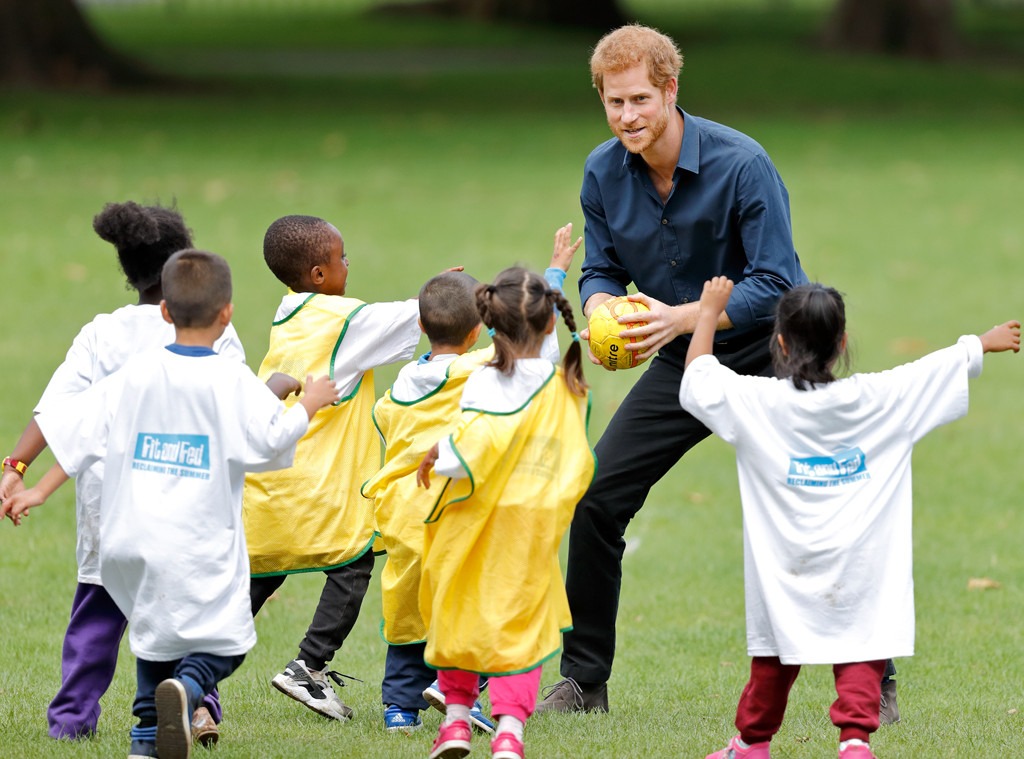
(555, 277)
(975, 354)
(448, 464)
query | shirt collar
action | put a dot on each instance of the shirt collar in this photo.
(191, 350)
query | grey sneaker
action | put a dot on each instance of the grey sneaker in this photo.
(569, 696)
(888, 710)
(310, 687)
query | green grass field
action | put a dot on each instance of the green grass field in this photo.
(432, 144)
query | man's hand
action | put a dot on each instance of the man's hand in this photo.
(664, 324)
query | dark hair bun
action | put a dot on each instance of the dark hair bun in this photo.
(126, 225)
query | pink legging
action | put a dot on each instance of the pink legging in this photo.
(763, 703)
(511, 695)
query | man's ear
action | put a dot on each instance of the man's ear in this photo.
(165, 313)
(672, 90)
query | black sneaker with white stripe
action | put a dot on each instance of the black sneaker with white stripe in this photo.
(310, 687)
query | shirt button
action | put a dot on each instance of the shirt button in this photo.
(672, 262)
(664, 221)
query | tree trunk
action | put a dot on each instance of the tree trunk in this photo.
(915, 28)
(602, 15)
(50, 43)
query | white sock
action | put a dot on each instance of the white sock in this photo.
(852, 742)
(456, 712)
(507, 724)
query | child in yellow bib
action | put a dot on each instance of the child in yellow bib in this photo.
(312, 517)
(418, 409)
(491, 591)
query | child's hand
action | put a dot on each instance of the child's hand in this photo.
(319, 393)
(17, 505)
(561, 256)
(423, 473)
(1002, 337)
(10, 483)
(283, 385)
(715, 296)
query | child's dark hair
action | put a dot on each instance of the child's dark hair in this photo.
(812, 321)
(518, 306)
(197, 285)
(293, 245)
(144, 236)
(448, 309)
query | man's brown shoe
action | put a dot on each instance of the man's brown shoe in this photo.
(888, 711)
(204, 729)
(569, 696)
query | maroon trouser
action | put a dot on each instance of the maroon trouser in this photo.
(763, 703)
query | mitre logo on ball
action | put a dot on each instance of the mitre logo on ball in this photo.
(605, 340)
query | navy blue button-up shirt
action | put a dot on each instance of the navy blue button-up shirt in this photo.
(728, 214)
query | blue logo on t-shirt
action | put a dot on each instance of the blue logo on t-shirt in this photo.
(841, 468)
(179, 455)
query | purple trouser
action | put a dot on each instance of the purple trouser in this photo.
(87, 664)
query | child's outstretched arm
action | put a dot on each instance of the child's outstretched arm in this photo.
(565, 248)
(1002, 337)
(29, 446)
(18, 504)
(712, 303)
(319, 393)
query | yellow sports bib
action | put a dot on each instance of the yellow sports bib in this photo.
(312, 516)
(408, 428)
(492, 594)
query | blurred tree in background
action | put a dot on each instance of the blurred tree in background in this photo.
(915, 28)
(49, 43)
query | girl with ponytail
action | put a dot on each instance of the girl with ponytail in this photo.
(825, 485)
(491, 594)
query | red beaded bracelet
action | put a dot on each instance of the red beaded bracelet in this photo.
(18, 466)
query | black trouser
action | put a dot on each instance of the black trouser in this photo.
(336, 612)
(659, 432)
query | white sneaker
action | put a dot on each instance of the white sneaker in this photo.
(310, 687)
(477, 718)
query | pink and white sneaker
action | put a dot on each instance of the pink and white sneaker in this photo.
(506, 746)
(735, 751)
(858, 750)
(453, 740)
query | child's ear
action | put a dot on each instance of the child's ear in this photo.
(225, 314)
(551, 324)
(474, 334)
(165, 313)
(316, 275)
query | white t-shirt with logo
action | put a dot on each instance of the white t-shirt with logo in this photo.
(825, 484)
(100, 349)
(176, 434)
